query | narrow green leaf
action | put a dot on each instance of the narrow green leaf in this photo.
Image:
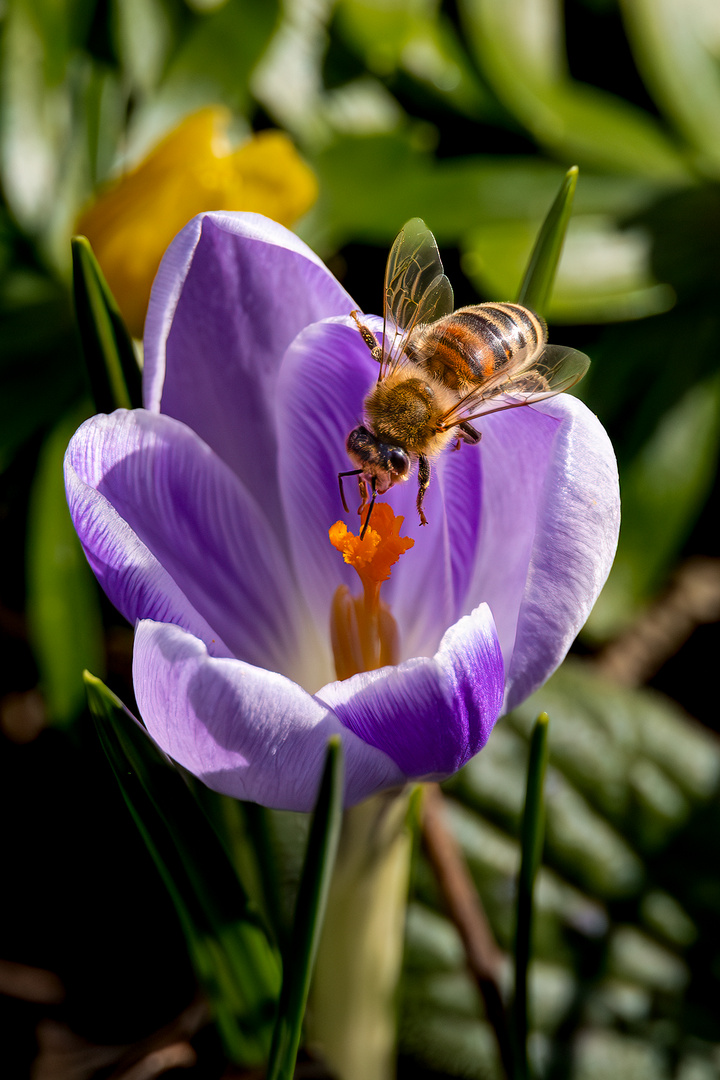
(109, 353)
(532, 836)
(309, 914)
(538, 281)
(62, 599)
(228, 946)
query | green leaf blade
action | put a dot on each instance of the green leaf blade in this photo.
(109, 353)
(62, 598)
(537, 283)
(230, 951)
(309, 914)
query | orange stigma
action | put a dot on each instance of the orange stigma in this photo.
(363, 630)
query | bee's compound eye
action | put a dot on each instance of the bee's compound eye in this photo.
(398, 461)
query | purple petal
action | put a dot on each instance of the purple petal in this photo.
(548, 533)
(430, 715)
(459, 474)
(191, 512)
(246, 732)
(232, 292)
(130, 575)
(428, 587)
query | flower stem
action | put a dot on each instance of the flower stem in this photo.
(353, 1002)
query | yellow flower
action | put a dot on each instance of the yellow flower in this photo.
(193, 169)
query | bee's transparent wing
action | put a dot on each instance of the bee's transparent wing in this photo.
(416, 289)
(555, 369)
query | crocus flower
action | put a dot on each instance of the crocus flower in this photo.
(205, 516)
(193, 168)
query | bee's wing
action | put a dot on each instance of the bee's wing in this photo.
(554, 370)
(416, 289)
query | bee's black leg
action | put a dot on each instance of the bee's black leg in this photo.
(423, 481)
(369, 338)
(372, 503)
(352, 472)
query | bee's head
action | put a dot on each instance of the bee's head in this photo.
(385, 463)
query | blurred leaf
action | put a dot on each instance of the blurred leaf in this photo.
(663, 489)
(602, 735)
(35, 109)
(614, 1054)
(369, 185)
(537, 283)
(215, 58)
(62, 598)
(44, 159)
(40, 365)
(519, 47)
(109, 353)
(228, 947)
(416, 38)
(622, 903)
(532, 835)
(104, 105)
(685, 230)
(673, 44)
(604, 273)
(309, 914)
(146, 34)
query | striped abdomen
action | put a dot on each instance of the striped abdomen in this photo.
(474, 343)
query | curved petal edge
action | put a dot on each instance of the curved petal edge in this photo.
(430, 715)
(242, 730)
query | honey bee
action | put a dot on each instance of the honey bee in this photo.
(440, 369)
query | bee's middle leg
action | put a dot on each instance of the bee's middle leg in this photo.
(466, 433)
(469, 434)
(423, 482)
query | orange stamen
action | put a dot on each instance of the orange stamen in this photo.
(363, 630)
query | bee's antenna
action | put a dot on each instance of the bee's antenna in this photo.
(372, 503)
(352, 472)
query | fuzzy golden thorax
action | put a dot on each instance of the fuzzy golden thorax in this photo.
(406, 407)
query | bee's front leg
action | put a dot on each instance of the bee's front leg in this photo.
(368, 337)
(363, 494)
(423, 481)
(341, 475)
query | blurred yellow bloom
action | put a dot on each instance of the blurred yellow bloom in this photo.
(193, 169)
